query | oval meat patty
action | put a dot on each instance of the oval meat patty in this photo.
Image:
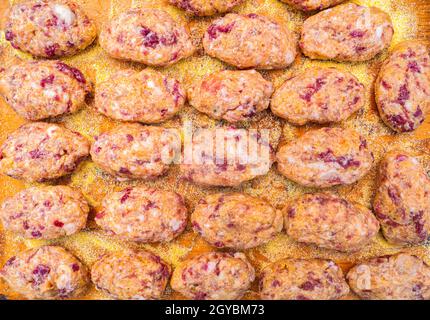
(325, 157)
(48, 272)
(143, 214)
(320, 95)
(300, 279)
(231, 95)
(311, 5)
(213, 276)
(42, 151)
(348, 32)
(250, 41)
(402, 88)
(149, 36)
(402, 201)
(236, 220)
(330, 222)
(42, 89)
(49, 28)
(133, 151)
(145, 96)
(397, 277)
(204, 7)
(46, 212)
(131, 275)
(242, 156)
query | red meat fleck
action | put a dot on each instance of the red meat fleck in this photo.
(124, 170)
(214, 29)
(40, 273)
(291, 213)
(414, 67)
(357, 33)
(36, 234)
(151, 39)
(386, 85)
(9, 35)
(75, 73)
(50, 50)
(276, 283)
(58, 224)
(10, 261)
(404, 94)
(48, 80)
(126, 195)
(219, 244)
(36, 154)
(129, 138)
(312, 89)
(75, 267)
(200, 295)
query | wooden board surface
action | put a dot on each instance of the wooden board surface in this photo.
(411, 20)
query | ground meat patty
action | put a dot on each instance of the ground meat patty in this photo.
(145, 96)
(320, 95)
(143, 214)
(134, 151)
(231, 95)
(402, 201)
(330, 222)
(131, 275)
(402, 88)
(49, 28)
(45, 212)
(41, 89)
(250, 41)
(310, 5)
(300, 279)
(229, 163)
(205, 7)
(325, 157)
(236, 220)
(41, 151)
(397, 277)
(348, 32)
(48, 272)
(213, 276)
(149, 36)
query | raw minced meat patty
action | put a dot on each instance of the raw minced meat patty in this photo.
(143, 214)
(402, 88)
(242, 156)
(41, 89)
(213, 276)
(325, 157)
(147, 96)
(48, 272)
(49, 28)
(236, 220)
(250, 41)
(42, 151)
(320, 95)
(45, 212)
(134, 151)
(329, 221)
(402, 201)
(348, 32)
(397, 277)
(231, 95)
(310, 5)
(301, 279)
(205, 7)
(131, 275)
(149, 36)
